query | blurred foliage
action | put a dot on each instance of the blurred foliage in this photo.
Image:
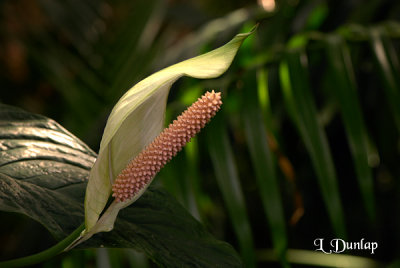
(306, 145)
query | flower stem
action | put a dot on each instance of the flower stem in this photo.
(46, 254)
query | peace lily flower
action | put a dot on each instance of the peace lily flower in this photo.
(135, 121)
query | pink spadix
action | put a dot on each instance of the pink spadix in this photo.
(142, 169)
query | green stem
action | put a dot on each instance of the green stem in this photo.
(46, 254)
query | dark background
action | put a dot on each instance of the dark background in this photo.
(72, 60)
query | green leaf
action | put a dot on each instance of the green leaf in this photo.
(135, 121)
(389, 69)
(298, 98)
(342, 76)
(264, 98)
(43, 171)
(229, 185)
(264, 167)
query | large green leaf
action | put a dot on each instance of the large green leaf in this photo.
(43, 174)
(135, 121)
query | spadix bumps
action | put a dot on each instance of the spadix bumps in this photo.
(142, 169)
